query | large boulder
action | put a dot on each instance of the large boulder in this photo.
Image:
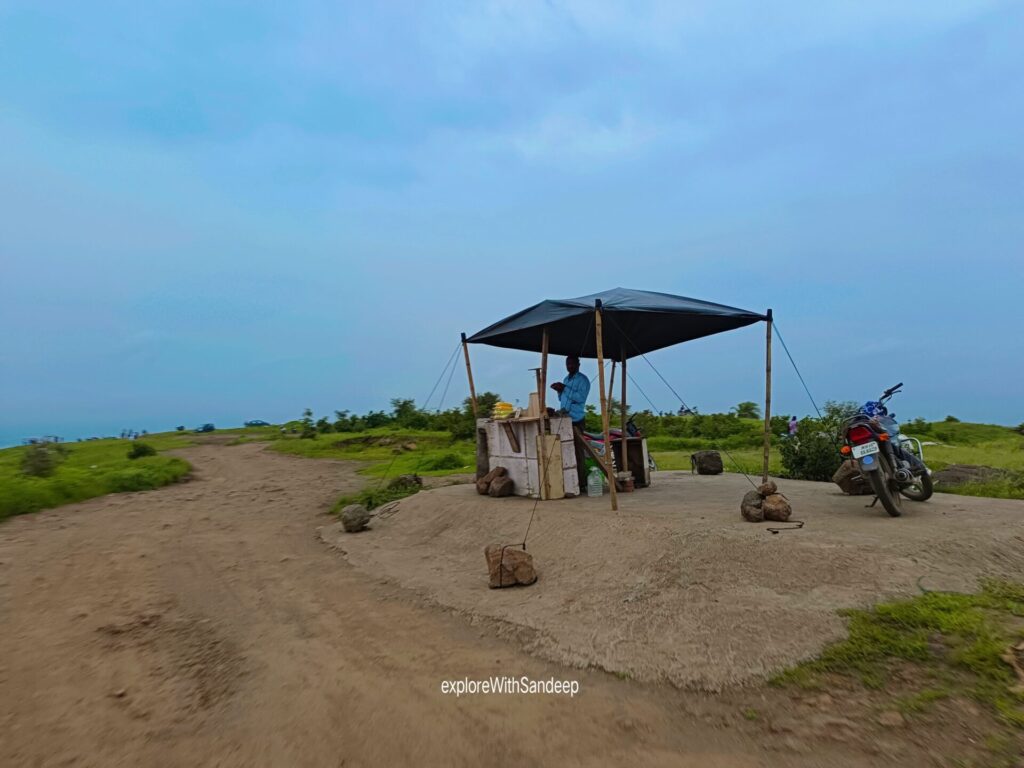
(354, 518)
(706, 463)
(850, 480)
(750, 507)
(483, 485)
(776, 508)
(500, 486)
(509, 566)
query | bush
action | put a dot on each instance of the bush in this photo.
(952, 419)
(138, 450)
(811, 455)
(41, 459)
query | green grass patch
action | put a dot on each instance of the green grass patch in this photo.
(88, 469)
(390, 452)
(958, 638)
(371, 498)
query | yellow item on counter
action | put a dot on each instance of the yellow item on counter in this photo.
(502, 410)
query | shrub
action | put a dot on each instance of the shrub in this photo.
(952, 419)
(41, 459)
(138, 450)
(812, 454)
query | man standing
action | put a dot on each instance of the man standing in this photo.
(572, 400)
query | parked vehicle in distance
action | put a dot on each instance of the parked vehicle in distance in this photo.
(205, 428)
(257, 423)
(886, 457)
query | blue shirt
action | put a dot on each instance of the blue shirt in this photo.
(574, 396)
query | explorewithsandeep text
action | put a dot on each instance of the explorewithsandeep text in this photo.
(507, 685)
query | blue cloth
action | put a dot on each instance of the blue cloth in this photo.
(574, 397)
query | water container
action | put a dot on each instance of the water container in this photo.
(595, 482)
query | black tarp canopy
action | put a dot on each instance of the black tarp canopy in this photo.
(634, 322)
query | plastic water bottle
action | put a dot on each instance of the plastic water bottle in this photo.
(595, 482)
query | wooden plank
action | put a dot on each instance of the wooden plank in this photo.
(469, 372)
(551, 480)
(589, 449)
(511, 435)
(767, 397)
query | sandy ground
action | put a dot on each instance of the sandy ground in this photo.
(675, 586)
(204, 624)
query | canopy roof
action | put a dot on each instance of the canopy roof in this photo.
(634, 322)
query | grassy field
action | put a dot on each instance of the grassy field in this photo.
(97, 467)
(914, 655)
(88, 469)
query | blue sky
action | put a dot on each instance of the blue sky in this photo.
(221, 211)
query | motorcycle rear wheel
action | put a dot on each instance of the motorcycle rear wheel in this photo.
(921, 489)
(880, 481)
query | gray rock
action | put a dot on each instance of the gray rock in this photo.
(706, 463)
(750, 507)
(354, 518)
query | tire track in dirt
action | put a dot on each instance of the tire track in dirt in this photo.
(204, 624)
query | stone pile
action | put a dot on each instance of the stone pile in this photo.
(495, 483)
(766, 503)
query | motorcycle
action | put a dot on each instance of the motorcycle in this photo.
(892, 462)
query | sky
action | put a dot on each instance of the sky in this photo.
(217, 211)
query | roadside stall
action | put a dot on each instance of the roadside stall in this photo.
(618, 324)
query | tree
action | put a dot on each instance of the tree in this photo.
(747, 410)
(308, 429)
(323, 426)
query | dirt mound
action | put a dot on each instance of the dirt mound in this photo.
(675, 586)
(959, 474)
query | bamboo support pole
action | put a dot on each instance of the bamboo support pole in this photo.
(469, 373)
(605, 423)
(767, 396)
(542, 383)
(622, 406)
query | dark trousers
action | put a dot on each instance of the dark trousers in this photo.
(581, 455)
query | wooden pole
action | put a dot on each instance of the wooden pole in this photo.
(611, 389)
(767, 396)
(542, 383)
(469, 372)
(622, 405)
(605, 423)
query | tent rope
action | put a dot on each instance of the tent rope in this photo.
(419, 461)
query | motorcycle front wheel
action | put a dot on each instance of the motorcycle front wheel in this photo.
(881, 483)
(919, 490)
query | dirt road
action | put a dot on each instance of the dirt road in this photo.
(204, 624)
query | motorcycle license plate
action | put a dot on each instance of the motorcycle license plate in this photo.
(864, 450)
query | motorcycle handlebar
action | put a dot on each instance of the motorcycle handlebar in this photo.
(892, 390)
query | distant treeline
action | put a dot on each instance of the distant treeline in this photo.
(742, 425)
